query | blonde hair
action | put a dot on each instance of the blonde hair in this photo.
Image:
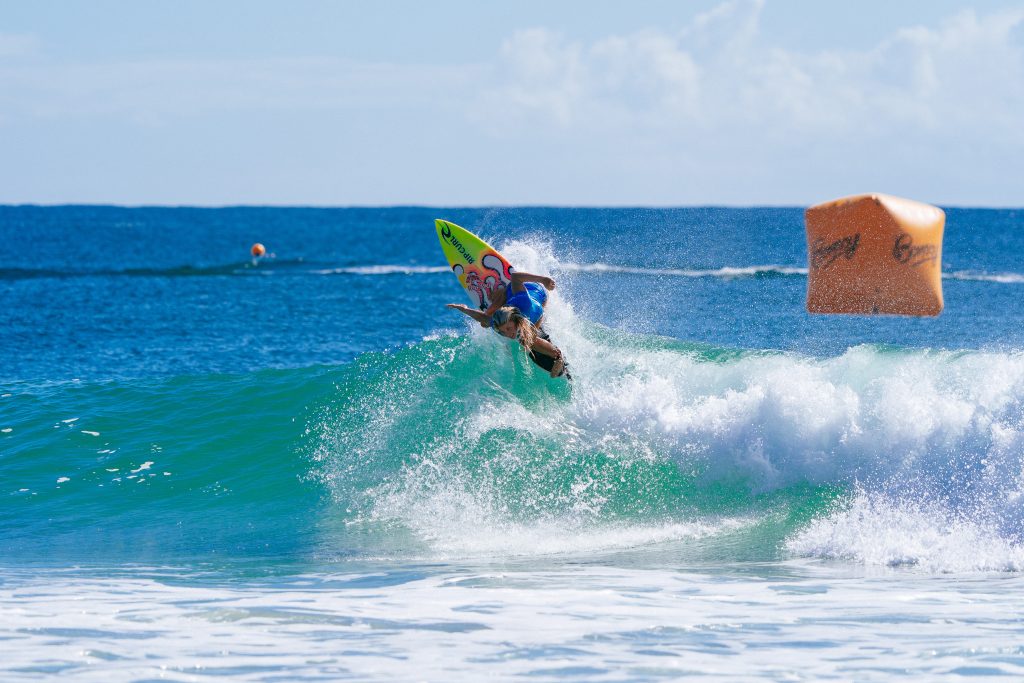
(525, 332)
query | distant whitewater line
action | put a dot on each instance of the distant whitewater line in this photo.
(767, 270)
(1003, 278)
(724, 272)
(295, 267)
(383, 270)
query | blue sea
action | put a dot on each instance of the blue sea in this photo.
(306, 468)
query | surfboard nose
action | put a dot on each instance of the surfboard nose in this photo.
(444, 228)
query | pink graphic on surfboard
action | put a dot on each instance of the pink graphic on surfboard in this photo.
(480, 268)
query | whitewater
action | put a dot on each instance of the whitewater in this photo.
(306, 469)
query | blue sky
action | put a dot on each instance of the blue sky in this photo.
(741, 102)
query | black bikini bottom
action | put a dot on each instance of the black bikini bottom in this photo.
(547, 362)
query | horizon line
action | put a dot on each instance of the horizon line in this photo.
(327, 207)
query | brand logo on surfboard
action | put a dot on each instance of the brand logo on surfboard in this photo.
(446, 234)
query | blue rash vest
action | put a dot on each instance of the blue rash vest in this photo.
(530, 302)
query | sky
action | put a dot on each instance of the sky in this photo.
(472, 103)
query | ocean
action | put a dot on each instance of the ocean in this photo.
(308, 469)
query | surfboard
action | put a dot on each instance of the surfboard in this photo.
(480, 268)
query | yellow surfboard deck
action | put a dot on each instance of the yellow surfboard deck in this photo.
(480, 268)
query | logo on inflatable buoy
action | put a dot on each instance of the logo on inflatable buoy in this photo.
(824, 255)
(904, 251)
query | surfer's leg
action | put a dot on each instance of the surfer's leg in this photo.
(555, 364)
(556, 367)
(542, 361)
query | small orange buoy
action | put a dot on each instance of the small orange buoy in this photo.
(258, 250)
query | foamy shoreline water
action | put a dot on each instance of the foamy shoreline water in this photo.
(771, 622)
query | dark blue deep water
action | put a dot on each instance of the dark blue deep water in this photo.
(111, 293)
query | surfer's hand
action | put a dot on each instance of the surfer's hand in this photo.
(485, 321)
(559, 364)
(548, 282)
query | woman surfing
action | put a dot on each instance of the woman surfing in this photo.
(518, 315)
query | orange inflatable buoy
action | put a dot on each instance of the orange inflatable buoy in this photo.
(258, 250)
(874, 253)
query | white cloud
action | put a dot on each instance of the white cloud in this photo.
(721, 75)
(542, 76)
(718, 76)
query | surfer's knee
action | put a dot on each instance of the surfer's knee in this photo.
(558, 367)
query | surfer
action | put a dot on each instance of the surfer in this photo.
(518, 315)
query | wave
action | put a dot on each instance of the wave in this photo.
(455, 446)
(696, 445)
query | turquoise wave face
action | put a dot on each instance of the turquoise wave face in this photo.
(475, 454)
(881, 455)
(457, 447)
(151, 470)
(391, 455)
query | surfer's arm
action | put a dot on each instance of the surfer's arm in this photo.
(498, 299)
(479, 316)
(519, 277)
